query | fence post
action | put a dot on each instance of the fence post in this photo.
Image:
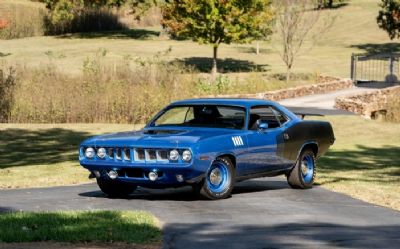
(353, 69)
(391, 69)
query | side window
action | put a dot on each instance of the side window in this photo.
(281, 117)
(262, 113)
(267, 114)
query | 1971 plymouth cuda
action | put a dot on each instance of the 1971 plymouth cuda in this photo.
(209, 144)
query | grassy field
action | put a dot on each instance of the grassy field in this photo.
(46, 154)
(355, 30)
(364, 161)
(80, 226)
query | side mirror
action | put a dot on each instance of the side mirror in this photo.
(262, 125)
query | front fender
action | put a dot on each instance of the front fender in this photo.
(215, 147)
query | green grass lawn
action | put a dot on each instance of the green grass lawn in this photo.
(355, 30)
(39, 155)
(80, 226)
(364, 161)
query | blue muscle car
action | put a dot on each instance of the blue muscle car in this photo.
(209, 144)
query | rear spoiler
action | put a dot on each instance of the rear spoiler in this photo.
(302, 115)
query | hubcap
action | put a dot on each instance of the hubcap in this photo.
(218, 178)
(304, 168)
(307, 168)
(215, 176)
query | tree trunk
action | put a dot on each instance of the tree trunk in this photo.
(214, 69)
(258, 48)
(288, 75)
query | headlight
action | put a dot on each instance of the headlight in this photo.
(101, 153)
(89, 152)
(173, 155)
(186, 155)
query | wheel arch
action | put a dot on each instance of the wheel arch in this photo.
(231, 157)
(309, 145)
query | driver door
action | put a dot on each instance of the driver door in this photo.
(262, 143)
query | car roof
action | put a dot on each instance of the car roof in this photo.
(224, 101)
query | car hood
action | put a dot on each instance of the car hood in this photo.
(151, 137)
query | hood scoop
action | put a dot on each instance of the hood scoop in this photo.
(163, 132)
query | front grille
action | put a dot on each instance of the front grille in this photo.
(137, 154)
(162, 155)
(127, 154)
(118, 154)
(151, 155)
(110, 153)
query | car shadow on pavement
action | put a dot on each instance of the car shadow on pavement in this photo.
(285, 235)
(187, 194)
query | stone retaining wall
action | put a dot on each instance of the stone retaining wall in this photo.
(294, 92)
(370, 104)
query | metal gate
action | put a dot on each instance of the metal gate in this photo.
(375, 68)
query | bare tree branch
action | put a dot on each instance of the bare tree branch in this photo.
(298, 21)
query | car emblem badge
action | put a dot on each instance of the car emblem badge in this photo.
(237, 141)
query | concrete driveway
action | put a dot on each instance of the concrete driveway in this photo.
(262, 213)
(324, 103)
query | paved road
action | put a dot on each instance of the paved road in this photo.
(262, 213)
(324, 103)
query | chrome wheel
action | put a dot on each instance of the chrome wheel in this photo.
(307, 168)
(218, 178)
(215, 176)
(218, 181)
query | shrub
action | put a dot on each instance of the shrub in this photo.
(20, 21)
(87, 20)
(130, 91)
(71, 16)
(7, 86)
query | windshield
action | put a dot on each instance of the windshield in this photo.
(213, 116)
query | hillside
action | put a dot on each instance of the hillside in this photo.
(355, 30)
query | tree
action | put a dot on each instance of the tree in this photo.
(389, 17)
(218, 21)
(64, 11)
(297, 22)
(140, 7)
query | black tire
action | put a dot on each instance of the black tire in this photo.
(113, 188)
(205, 187)
(299, 180)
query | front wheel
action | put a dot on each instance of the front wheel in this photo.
(219, 180)
(303, 174)
(113, 188)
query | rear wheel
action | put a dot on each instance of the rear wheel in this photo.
(113, 188)
(219, 180)
(303, 174)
